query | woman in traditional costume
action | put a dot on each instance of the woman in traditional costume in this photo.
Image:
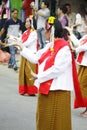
(81, 50)
(29, 40)
(56, 68)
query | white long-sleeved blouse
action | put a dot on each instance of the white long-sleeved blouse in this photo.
(60, 72)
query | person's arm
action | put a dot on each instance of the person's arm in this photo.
(75, 41)
(1, 43)
(2, 31)
(78, 20)
(40, 13)
(4, 28)
(44, 13)
(81, 48)
(29, 55)
(72, 37)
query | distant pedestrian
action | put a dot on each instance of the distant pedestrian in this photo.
(70, 15)
(13, 26)
(17, 4)
(42, 15)
(61, 11)
(27, 8)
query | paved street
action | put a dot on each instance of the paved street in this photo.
(18, 112)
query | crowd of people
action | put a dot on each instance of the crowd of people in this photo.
(53, 51)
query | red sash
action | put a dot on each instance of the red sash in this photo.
(79, 100)
(26, 34)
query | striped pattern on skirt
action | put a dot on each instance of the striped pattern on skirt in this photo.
(54, 111)
(26, 85)
(82, 75)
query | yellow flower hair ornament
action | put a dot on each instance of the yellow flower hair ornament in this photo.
(51, 20)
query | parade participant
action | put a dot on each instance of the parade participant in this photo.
(29, 40)
(81, 51)
(56, 67)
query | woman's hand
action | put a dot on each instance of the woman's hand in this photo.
(1, 43)
(70, 29)
(16, 44)
(34, 76)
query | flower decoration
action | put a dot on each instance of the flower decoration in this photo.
(51, 20)
(51, 50)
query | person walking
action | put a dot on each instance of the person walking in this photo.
(13, 26)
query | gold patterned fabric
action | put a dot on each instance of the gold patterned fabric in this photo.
(82, 75)
(54, 111)
(26, 85)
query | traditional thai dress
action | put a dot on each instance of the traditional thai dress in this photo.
(82, 68)
(54, 100)
(26, 83)
(57, 76)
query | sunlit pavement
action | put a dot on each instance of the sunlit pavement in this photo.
(18, 112)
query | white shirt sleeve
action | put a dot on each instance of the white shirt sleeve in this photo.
(29, 55)
(33, 57)
(81, 48)
(75, 41)
(78, 19)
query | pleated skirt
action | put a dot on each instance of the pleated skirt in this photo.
(26, 83)
(54, 111)
(82, 76)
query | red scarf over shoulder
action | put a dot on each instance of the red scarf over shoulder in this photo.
(25, 35)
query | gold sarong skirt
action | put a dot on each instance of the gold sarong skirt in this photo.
(54, 111)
